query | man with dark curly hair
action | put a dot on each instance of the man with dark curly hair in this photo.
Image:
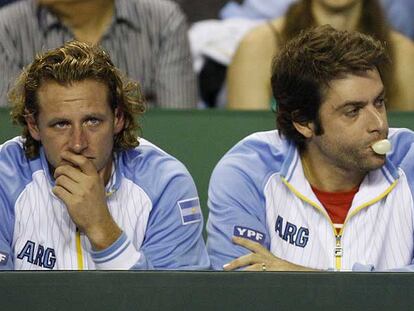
(325, 191)
(78, 190)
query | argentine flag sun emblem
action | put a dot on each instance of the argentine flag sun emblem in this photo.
(190, 211)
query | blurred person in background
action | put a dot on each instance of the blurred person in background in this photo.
(147, 40)
(399, 13)
(248, 80)
(4, 2)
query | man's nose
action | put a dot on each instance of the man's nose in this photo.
(377, 120)
(78, 140)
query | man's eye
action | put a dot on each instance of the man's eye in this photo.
(380, 102)
(92, 122)
(352, 112)
(61, 125)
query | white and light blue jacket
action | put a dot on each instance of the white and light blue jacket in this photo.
(258, 191)
(151, 197)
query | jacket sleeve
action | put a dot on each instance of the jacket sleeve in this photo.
(173, 237)
(401, 156)
(14, 176)
(237, 208)
(6, 233)
(357, 267)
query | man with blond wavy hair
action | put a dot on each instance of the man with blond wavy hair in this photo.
(78, 190)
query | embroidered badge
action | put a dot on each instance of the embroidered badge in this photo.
(249, 233)
(190, 211)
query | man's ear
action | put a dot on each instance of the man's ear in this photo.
(303, 126)
(307, 128)
(32, 125)
(119, 120)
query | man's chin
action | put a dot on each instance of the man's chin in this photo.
(377, 162)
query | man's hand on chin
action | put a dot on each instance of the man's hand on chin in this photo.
(82, 189)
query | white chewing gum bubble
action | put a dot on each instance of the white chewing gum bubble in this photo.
(381, 146)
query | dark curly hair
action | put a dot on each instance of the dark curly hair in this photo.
(72, 62)
(303, 69)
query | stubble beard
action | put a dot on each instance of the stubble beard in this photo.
(354, 160)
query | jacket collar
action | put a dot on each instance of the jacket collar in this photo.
(375, 183)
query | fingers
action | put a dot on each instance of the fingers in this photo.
(253, 260)
(253, 246)
(261, 259)
(241, 262)
(255, 267)
(73, 173)
(85, 164)
(67, 183)
(61, 193)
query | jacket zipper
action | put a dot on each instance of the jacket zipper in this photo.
(338, 250)
(79, 253)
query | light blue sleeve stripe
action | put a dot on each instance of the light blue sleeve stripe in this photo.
(103, 254)
(114, 255)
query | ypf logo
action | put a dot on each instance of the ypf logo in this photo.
(249, 233)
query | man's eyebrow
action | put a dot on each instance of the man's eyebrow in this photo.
(360, 102)
(56, 120)
(86, 117)
(96, 115)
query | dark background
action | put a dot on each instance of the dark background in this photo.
(197, 10)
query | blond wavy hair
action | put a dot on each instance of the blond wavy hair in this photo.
(76, 61)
